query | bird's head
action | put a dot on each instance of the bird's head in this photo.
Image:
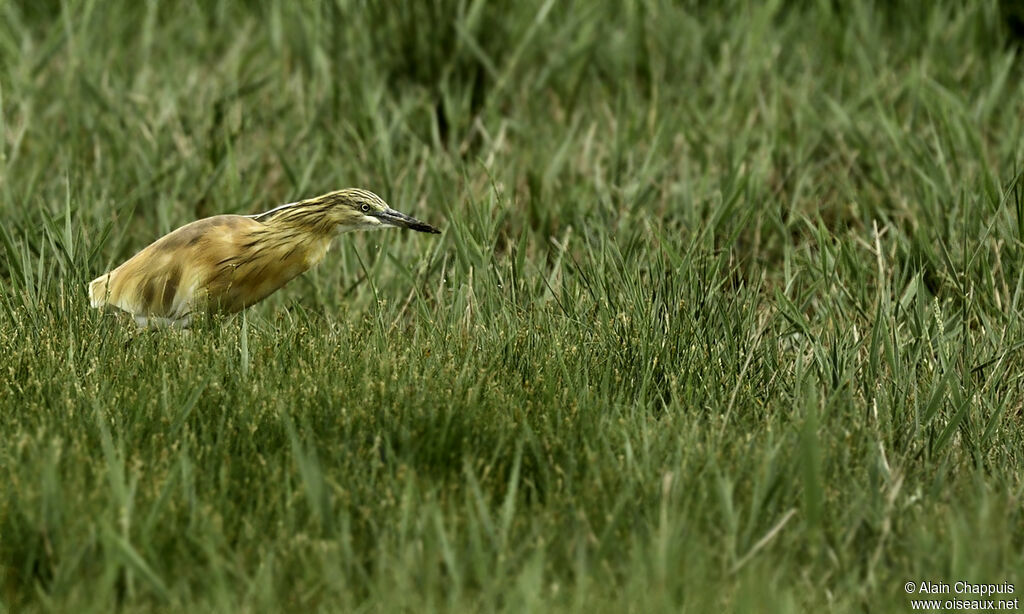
(341, 211)
(355, 209)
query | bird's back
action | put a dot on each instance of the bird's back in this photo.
(173, 276)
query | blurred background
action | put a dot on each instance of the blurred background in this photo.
(610, 116)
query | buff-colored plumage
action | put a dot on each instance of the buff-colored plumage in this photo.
(226, 263)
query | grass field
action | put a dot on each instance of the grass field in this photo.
(727, 315)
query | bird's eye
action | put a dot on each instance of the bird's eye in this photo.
(365, 208)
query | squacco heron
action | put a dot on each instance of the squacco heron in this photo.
(225, 263)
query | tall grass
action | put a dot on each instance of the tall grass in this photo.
(726, 312)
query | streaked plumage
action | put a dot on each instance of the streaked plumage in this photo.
(226, 263)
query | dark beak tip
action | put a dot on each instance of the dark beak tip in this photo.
(402, 220)
(423, 227)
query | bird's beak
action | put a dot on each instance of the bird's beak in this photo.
(395, 218)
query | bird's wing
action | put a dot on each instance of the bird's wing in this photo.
(170, 276)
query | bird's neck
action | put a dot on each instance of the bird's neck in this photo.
(301, 244)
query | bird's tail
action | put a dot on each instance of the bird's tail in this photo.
(99, 291)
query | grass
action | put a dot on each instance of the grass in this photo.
(727, 311)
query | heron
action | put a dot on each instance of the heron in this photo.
(225, 263)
